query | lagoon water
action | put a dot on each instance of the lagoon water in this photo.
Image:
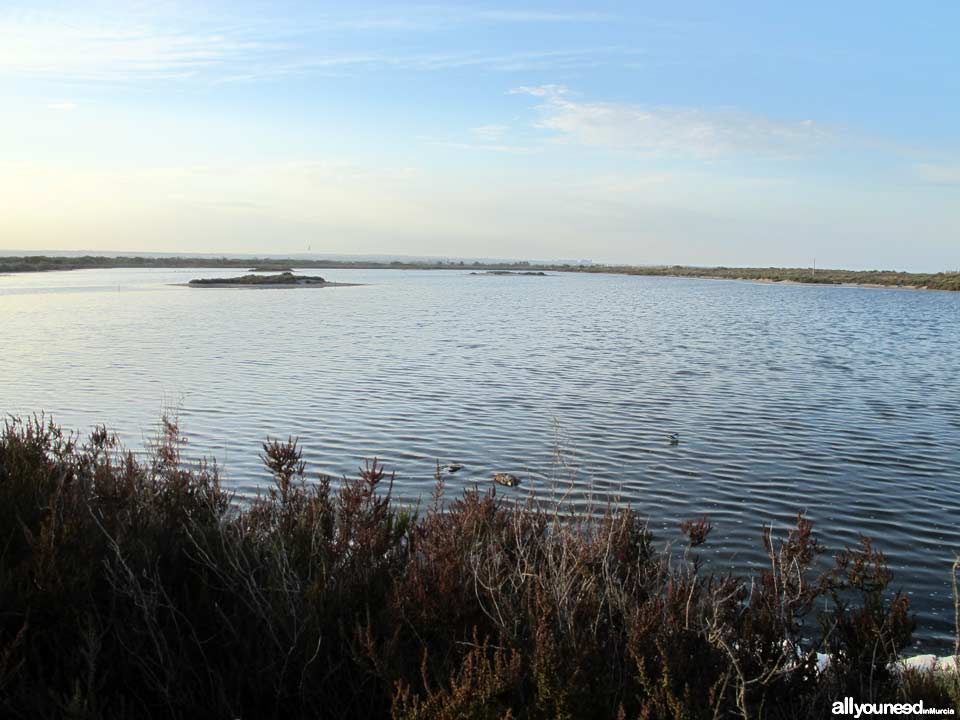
(841, 401)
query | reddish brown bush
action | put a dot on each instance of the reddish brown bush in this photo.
(696, 530)
(141, 588)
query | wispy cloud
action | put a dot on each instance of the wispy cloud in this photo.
(540, 90)
(529, 16)
(513, 62)
(140, 42)
(679, 131)
(353, 63)
(436, 17)
(71, 48)
(937, 174)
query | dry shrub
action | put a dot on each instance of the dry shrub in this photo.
(696, 530)
(139, 587)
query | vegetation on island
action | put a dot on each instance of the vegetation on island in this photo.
(286, 278)
(139, 587)
(535, 273)
(884, 278)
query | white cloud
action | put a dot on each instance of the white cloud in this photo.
(80, 48)
(685, 131)
(343, 64)
(937, 174)
(155, 41)
(527, 16)
(62, 106)
(434, 17)
(507, 62)
(540, 90)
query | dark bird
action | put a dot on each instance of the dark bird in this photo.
(506, 479)
(674, 438)
(453, 467)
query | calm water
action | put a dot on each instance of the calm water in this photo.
(841, 401)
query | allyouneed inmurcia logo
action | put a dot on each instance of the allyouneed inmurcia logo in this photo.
(848, 707)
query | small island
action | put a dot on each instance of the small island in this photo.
(537, 273)
(285, 279)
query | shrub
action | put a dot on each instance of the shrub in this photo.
(141, 587)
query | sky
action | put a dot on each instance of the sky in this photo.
(735, 133)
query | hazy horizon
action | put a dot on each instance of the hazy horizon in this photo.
(387, 257)
(737, 135)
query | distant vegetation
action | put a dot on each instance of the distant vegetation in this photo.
(36, 263)
(886, 278)
(138, 588)
(286, 278)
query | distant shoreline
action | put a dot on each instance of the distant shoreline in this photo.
(800, 283)
(884, 279)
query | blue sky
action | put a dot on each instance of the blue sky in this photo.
(704, 133)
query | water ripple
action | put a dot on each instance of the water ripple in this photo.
(846, 404)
